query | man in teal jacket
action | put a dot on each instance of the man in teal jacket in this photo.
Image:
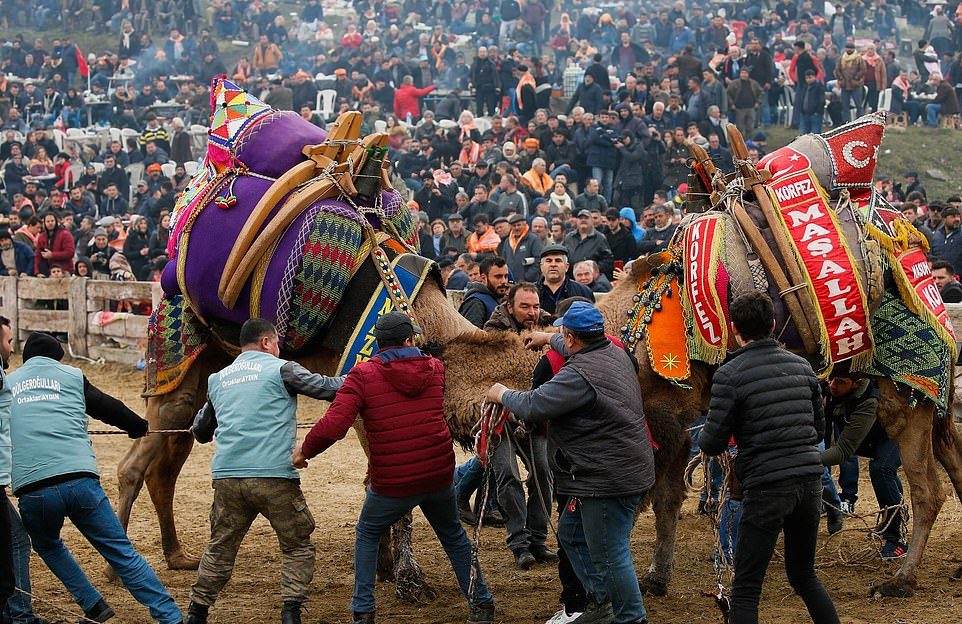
(252, 408)
(55, 477)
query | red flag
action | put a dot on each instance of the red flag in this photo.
(81, 62)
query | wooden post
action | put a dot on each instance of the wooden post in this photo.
(808, 317)
(8, 307)
(765, 255)
(77, 304)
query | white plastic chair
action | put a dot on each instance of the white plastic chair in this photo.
(169, 169)
(115, 134)
(380, 125)
(59, 137)
(76, 133)
(136, 173)
(191, 167)
(98, 167)
(325, 103)
(483, 124)
(129, 133)
(885, 100)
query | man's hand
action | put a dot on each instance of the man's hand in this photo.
(46, 253)
(536, 340)
(494, 393)
(298, 459)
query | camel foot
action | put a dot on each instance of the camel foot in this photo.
(897, 587)
(411, 587)
(651, 586)
(182, 560)
(385, 576)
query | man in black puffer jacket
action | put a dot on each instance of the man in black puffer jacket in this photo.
(769, 400)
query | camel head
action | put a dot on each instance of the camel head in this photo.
(474, 360)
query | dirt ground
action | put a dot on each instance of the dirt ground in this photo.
(332, 485)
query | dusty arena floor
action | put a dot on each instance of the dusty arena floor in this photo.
(333, 488)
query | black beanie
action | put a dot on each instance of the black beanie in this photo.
(42, 345)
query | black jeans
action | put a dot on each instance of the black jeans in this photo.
(794, 509)
(6, 551)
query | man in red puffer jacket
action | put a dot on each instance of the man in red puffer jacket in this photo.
(399, 395)
(55, 247)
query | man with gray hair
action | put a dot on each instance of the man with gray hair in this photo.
(539, 227)
(656, 239)
(588, 274)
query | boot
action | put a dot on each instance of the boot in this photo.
(100, 612)
(468, 516)
(543, 554)
(596, 613)
(482, 614)
(494, 519)
(196, 613)
(524, 559)
(363, 618)
(291, 613)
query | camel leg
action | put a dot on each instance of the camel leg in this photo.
(668, 494)
(948, 450)
(912, 430)
(153, 456)
(409, 579)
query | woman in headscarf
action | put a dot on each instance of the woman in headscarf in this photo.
(629, 221)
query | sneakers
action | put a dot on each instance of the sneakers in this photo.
(468, 516)
(482, 614)
(597, 613)
(291, 612)
(196, 613)
(543, 554)
(563, 617)
(848, 508)
(363, 618)
(524, 559)
(894, 550)
(101, 612)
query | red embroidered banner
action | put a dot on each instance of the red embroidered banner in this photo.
(919, 274)
(853, 149)
(702, 240)
(784, 162)
(828, 263)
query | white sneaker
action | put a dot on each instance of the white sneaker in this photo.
(848, 508)
(563, 617)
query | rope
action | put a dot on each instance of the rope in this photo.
(792, 289)
(490, 413)
(165, 431)
(53, 607)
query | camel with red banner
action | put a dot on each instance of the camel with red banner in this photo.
(852, 288)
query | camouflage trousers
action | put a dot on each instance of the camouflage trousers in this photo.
(237, 502)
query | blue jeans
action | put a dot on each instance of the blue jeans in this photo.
(605, 177)
(884, 472)
(714, 468)
(596, 538)
(731, 516)
(19, 609)
(440, 508)
(809, 124)
(932, 112)
(848, 479)
(84, 502)
(857, 97)
(467, 480)
(829, 492)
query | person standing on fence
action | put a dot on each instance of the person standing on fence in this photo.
(399, 395)
(252, 410)
(55, 477)
(769, 400)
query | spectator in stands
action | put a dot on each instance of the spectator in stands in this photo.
(16, 258)
(554, 285)
(55, 247)
(113, 203)
(137, 249)
(484, 296)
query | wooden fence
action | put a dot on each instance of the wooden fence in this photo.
(84, 310)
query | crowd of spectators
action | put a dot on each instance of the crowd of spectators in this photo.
(560, 113)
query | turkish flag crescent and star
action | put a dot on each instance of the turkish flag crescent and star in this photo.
(853, 149)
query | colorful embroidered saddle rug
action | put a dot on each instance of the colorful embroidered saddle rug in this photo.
(301, 280)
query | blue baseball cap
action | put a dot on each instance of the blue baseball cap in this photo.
(582, 318)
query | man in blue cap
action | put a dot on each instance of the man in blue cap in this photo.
(602, 460)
